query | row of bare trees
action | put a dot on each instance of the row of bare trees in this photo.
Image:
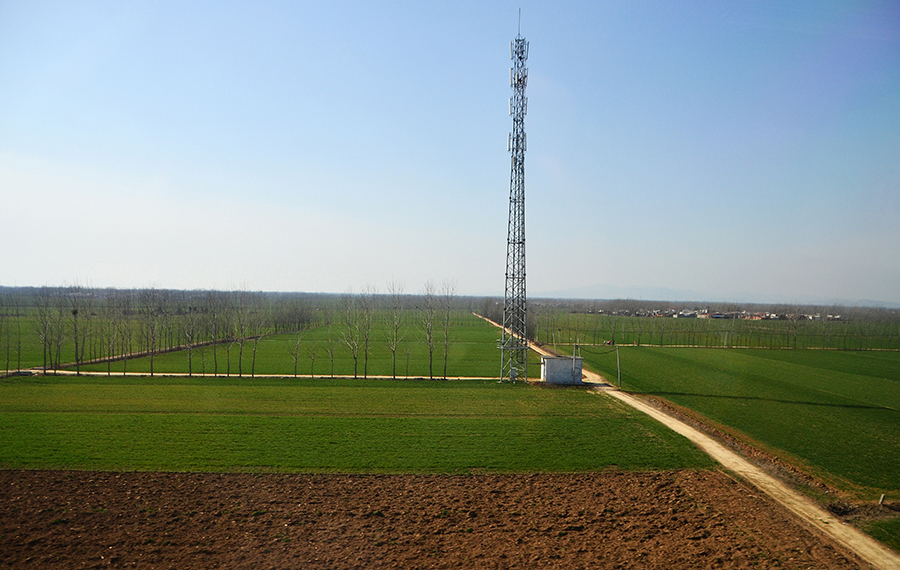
(433, 309)
(76, 325)
(73, 326)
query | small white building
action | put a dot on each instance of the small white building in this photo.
(561, 369)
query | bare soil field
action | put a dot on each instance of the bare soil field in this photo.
(679, 519)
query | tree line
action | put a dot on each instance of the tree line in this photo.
(74, 325)
(69, 327)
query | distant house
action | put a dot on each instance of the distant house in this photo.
(561, 369)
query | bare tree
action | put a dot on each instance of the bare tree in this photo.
(448, 289)
(312, 351)
(350, 322)
(366, 314)
(329, 348)
(11, 310)
(79, 301)
(126, 310)
(395, 330)
(48, 325)
(111, 327)
(241, 325)
(296, 345)
(191, 329)
(152, 325)
(428, 315)
(257, 323)
(215, 324)
(4, 330)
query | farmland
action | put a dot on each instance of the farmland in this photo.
(181, 424)
(254, 383)
(834, 413)
(831, 412)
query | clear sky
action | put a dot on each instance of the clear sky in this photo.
(745, 151)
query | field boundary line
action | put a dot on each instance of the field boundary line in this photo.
(201, 375)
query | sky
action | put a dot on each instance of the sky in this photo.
(737, 151)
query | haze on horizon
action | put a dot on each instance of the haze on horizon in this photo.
(737, 151)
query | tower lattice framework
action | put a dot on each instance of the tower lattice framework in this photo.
(514, 343)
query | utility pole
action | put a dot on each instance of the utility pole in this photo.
(513, 342)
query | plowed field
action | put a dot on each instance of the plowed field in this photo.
(677, 519)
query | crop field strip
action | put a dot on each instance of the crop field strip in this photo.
(327, 426)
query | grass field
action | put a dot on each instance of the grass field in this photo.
(837, 414)
(182, 424)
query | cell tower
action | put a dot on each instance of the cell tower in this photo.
(513, 342)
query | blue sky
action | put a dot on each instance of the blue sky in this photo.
(745, 151)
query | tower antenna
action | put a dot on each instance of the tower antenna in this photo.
(513, 341)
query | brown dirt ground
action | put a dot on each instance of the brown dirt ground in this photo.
(678, 519)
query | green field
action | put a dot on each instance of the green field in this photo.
(184, 424)
(836, 414)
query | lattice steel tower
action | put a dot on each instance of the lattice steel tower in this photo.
(513, 342)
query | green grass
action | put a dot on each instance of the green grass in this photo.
(885, 530)
(169, 424)
(836, 414)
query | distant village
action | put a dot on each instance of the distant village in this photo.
(701, 310)
(707, 314)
